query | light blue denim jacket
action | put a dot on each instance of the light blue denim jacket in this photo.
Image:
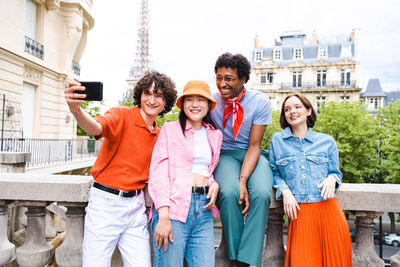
(302, 164)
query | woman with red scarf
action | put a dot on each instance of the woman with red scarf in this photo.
(243, 173)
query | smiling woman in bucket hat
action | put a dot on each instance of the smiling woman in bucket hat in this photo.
(181, 183)
(200, 88)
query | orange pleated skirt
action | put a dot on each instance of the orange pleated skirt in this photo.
(320, 236)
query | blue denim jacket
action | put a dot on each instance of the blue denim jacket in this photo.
(302, 164)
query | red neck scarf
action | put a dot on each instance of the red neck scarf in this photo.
(232, 105)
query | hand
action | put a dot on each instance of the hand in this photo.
(74, 100)
(290, 205)
(163, 233)
(212, 195)
(243, 196)
(328, 187)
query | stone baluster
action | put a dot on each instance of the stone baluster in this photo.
(221, 254)
(274, 252)
(50, 228)
(364, 254)
(7, 249)
(69, 253)
(395, 260)
(35, 252)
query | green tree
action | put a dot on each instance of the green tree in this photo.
(173, 115)
(389, 122)
(93, 109)
(271, 129)
(127, 99)
(356, 133)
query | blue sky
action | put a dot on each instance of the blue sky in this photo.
(187, 36)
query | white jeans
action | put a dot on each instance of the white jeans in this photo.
(113, 220)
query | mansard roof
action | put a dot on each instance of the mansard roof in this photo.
(373, 89)
(297, 39)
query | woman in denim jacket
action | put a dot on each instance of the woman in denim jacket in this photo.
(305, 165)
(181, 183)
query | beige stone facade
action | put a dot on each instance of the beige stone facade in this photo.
(41, 43)
(322, 70)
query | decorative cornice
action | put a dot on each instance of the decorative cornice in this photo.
(32, 75)
(52, 4)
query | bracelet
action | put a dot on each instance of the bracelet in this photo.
(243, 177)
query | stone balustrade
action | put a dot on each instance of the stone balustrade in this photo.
(35, 192)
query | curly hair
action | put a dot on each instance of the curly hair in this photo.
(307, 104)
(161, 82)
(238, 62)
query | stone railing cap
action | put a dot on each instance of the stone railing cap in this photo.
(42, 187)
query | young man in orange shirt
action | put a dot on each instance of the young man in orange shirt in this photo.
(116, 210)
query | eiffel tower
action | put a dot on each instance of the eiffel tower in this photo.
(142, 60)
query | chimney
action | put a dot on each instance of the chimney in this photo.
(353, 35)
(256, 42)
(314, 38)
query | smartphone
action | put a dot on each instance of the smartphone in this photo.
(93, 91)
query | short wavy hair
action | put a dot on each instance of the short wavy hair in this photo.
(161, 83)
(238, 62)
(306, 103)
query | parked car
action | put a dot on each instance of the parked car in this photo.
(353, 235)
(393, 240)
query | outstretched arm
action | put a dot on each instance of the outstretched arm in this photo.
(74, 101)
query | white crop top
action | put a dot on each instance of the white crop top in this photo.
(202, 152)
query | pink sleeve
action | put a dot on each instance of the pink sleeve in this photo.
(217, 153)
(159, 183)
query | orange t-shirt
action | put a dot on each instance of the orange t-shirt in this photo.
(124, 158)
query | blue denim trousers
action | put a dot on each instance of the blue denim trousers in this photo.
(193, 240)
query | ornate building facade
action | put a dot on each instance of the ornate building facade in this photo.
(324, 68)
(41, 43)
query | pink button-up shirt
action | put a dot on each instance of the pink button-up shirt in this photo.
(170, 177)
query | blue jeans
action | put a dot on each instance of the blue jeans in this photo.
(193, 240)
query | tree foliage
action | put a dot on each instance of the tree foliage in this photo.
(355, 132)
(173, 115)
(389, 122)
(93, 109)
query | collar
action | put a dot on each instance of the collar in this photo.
(287, 133)
(140, 122)
(190, 127)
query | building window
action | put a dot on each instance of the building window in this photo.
(32, 46)
(321, 78)
(298, 53)
(297, 79)
(277, 54)
(258, 55)
(345, 75)
(270, 77)
(266, 77)
(322, 51)
(263, 77)
(320, 102)
(345, 50)
(345, 98)
(373, 104)
(30, 22)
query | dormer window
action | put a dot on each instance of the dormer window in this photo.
(345, 50)
(322, 51)
(298, 53)
(278, 54)
(258, 55)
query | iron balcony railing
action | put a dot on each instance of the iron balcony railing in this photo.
(52, 151)
(34, 48)
(76, 67)
(315, 85)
